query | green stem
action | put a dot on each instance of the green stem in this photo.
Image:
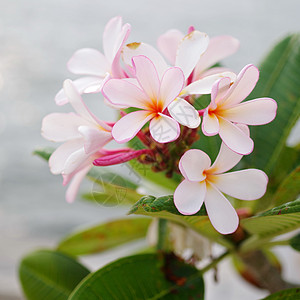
(162, 234)
(214, 262)
(276, 243)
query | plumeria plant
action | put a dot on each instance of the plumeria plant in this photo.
(179, 111)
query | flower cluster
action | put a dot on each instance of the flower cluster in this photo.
(155, 92)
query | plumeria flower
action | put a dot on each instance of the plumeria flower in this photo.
(151, 94)
(83, 135)
(219, 47)
(226, 110)
(205, 183)
(95, 66)
(188, 52)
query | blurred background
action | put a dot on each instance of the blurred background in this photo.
(36, 40)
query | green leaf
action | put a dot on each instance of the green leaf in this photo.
(289, 188)
(279, 79)
(44, 153)
(163, 207)
(145, 276)
(104, 236)
(295, 242)
(49, 275)
(290, 294)
(271, 223)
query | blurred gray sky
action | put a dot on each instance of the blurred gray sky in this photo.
(36, 40)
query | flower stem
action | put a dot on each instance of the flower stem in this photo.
(214, 262)
(162, 233)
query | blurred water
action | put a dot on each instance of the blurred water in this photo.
(36, 40)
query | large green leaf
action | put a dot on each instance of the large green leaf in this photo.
(104, 236)
(145, 276)
(279, 79)
(289, 188)
(295, 242)
(163, 207)
(271, 223)
(50, 275)
(44, 153)
(290, 294)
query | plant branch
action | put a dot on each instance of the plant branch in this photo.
(214, 262)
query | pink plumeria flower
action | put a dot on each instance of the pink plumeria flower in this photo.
(226, 110)
(95, 66)
(151, 94)
(188, 52)
(83, 136)
(205, 183)
(219, 47)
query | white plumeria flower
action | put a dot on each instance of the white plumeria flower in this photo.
(219, 47)
(95, 66)
(83, 136)
(204, 183)
(151, 94)
(226, 110)
(188, 52)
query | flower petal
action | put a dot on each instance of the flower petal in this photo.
(88, 61)
(189, 197)
(219, 47)
(171, 85)
(255, 112)
(59, 127)
(219, 90)
(235, 138)
(247, 184)
(135, 49)
(164, 129)
(59, 157)
(147, 76)
(210, 124)
(189, 51)
(94, 138)
(193, 163)
(184, 113)
(220, 212)
(125, 94)
(82, 85)
(243, 86)
(75, 160)
(204, 86)
(168, 42)
(128, 126)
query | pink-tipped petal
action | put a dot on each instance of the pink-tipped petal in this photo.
(193, 163)
(235, 138)
(94, 138)
(74, 185)
(171, 85)
(204, 86)
(220, 89)
(184, 113)
(125, 94)
(250, 184)
(135, 49)
(191, 47)
(243, 86)
(220, 212)
(164, 129)
(210, 124)
(255, 112)
(189, 197)
(59, 157)
(75, 160)
(82, 85)
(59, 127)
(88, 61)
(146, 75)
(168, 42)
(219, 47)
(128, 126)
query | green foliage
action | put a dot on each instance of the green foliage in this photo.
(295, 242)
(44, 153)
(104, 236)
(145, 276)
(49, 275)
(163, 207)
(290, 294)
(279, 79)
